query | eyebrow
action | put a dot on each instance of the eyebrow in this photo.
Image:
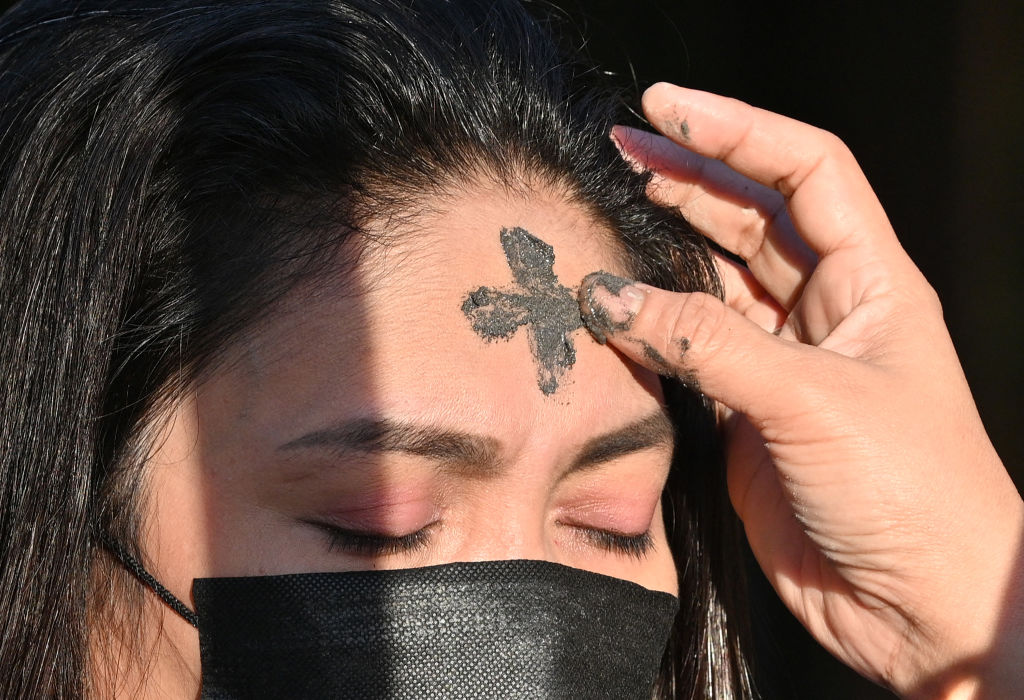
(475, 454)
(467, 451)
(655, 430)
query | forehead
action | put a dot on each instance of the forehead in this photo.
(400, 334)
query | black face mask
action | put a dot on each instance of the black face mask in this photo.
(494, 629)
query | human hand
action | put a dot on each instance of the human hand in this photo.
(868, 488)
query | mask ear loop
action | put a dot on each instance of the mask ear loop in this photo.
(132, 564)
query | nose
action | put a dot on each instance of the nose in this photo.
(513, 528)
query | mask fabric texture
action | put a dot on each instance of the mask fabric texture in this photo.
(497, 629)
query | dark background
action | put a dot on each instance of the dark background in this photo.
(930, 97)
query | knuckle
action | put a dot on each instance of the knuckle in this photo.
(697, 323)
(931, 300)
(833, 146)
(754, 225)
(751, 225)
(824, 151)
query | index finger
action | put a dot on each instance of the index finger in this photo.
(830, 201)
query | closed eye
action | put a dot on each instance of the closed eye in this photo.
(634, 546)
(372, 544)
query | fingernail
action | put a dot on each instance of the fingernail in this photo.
(630, 143)
(608, 304)
(619, 134)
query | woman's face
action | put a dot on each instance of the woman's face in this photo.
(367, 425)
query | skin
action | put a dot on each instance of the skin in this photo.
(869, 490)
(256, 455)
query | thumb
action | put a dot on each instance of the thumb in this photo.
(707, 345)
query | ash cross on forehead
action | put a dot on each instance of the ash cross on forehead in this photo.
(548, 309)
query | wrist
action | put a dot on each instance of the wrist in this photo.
(977, 652)
(973, 680)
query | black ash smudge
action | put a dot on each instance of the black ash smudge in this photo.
(547, 308)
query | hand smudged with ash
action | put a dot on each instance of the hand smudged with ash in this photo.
(609, 307)
(597, 317)
(659, 364)
(537, 300)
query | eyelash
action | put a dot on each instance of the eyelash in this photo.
(370, 544)
(633, 546)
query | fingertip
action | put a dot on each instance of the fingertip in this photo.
(637, 147)
(670, 92)
(661, 90)
(608, 303)
(625, 140)
(667, 107)
(655, 98)
(623, 135)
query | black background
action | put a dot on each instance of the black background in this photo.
(930, 97)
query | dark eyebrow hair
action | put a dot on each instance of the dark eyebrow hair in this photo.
(474, 454)
(655, 430)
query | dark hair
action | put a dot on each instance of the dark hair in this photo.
(169, 171)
